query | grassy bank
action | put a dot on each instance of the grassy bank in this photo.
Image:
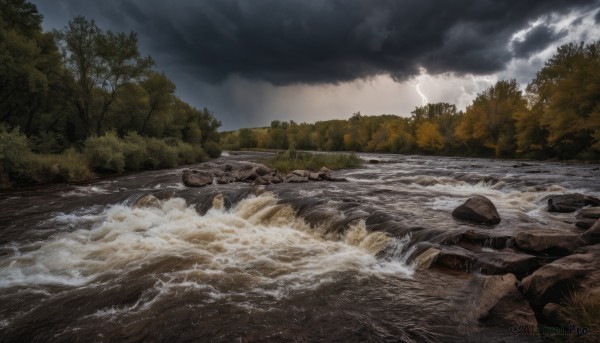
(291, 160)
(107, 154)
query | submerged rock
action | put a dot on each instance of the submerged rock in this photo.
(196, 178)
(479, 210)
(566, 203)
(147, 200)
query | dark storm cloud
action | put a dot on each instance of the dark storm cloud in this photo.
(316, 41)
(597, 17)
(536, 40)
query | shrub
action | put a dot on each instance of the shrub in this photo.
(213, 149)
(70, 166)
(292, 160)
(14, 150)
(136, 152)
(583, 309)
(105, 153)
(161, 154)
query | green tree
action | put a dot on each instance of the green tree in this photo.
(101, 63)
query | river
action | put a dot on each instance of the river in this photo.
(320, 261)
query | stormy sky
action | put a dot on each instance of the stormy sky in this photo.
(254, 61)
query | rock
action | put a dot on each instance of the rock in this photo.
(592, 236)
(314, 177)
(325, 173)
(228, 168)
(585, 223)
(225, 179)
(549, 241)
(552, 312)
(455, 259)
(499, 303)
(554, 281)
(196, 178)
(374, 161)
(589, 213)
(301, 173)
(276, 179)
(425, 259)
(291, 178)
(477, 209)
(485, 239)
(147, 200)
(566, 203)
(502, 262)
(262, 170)
(164, 195)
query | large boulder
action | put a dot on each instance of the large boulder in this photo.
(499, 303)
(566, 203)
(553, 242)
(197, 178)
(553, 282)
(147, 200)
(587, 217)
(479, 210)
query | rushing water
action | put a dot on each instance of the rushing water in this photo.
(309, 262)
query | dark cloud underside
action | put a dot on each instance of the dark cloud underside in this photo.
(316, 41)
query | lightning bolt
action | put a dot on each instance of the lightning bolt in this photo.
(420, 80)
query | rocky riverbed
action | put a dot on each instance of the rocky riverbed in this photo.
(407, 248)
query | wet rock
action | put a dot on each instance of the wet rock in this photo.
(425, 259)
(549, 241)
(566, 203)
(196, 178)
(499, 303)
(554, 281)
(292, 178)
(585, 223)
(225, 179)
(337, 179)
(228, 168)
(502, 262)
(147, 200)
(485, 239)
(262, 170)
(164, 195)
(589, 213)
(374, 161)
(592, 236)
(325, 173)
(301, 173)
(479, 210)
(455, 259)
(314, 177)
(276, 179)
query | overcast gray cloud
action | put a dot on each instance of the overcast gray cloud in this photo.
(210, 48)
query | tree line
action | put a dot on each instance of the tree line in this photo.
(557, 116)
(66, 89)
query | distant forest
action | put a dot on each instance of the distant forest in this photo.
(82, 99)
(558, 116)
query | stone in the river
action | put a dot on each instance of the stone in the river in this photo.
(566, 203)
(196, 178)
(554, 242)
(301, 173)
(502, 262)
(292, 178)
(499, 303)
(424, 260)
(554, 281)
(314, 177)
(147, 200)
(592, 235)
(325, 173)
(479, 210)
(374, 161)
(589, 213)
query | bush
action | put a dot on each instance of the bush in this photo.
(14, 150)
(213, 149)
(136, 152)
(292, 160)
(70, 166)
(161, 154)
(105, 153)
(583, 309)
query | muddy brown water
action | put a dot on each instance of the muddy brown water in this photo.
(298, 262)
